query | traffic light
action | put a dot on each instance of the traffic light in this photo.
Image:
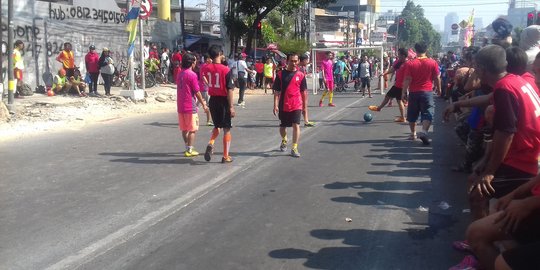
(531, 18)
(401, 22)
(259, 25)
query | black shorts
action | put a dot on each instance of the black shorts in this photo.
(394, 92)
(524, 257)
(507, 179)
(220, 111)
(366, 82)
(290, 118)
(69, 72)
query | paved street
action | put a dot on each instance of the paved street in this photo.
(120, 195)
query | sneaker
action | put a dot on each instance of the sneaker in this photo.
(208, 153)
(331, 105)
(295, 153)
(226, 159)
(320, 103)
(309, 124)
(210, 124)
(424, 138)
(399, 119)
(374, 108)
(191, 153)
(283, 146)
(462, 246)
(468, 263)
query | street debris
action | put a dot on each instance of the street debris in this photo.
(444, 205)
(348, 219)
(422, 209)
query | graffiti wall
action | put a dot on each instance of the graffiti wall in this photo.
(44, 27)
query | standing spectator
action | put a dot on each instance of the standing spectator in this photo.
(302, 67)
(420, 73)
(18, 66)
(203, 84)
(146, 50)
(106, 65)
(365, 74)
(188, 92)
(67, 59)
(268, 70)
(176, 63)
(530, 42)
(232, 63)
(165, 64)
(243, 70)
(259, 68)
(154, 54)
(91, 60)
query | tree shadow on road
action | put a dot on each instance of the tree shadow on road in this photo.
(164, 125)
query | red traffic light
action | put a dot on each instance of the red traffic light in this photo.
(259, 25)
(530, 16)
(401, 21)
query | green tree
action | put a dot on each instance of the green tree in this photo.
(416, 29)
(287, 45)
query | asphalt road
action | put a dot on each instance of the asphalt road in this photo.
(120, 195)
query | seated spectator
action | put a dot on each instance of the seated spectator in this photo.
(78, 86)
(516, 133)
(60, 83)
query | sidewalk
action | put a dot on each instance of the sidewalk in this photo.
(39, 113)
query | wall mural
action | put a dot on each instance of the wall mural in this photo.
(46, 26)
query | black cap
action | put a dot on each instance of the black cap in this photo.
(92, 47)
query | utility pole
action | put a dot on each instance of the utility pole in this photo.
(1, 61)
(183, 24)
(11, 81)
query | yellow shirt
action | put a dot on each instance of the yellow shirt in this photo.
(269, 70)
(18, 62)
(68, 61)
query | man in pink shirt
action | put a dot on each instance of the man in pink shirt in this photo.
(328, 75)
(188, 93)
(91, 62)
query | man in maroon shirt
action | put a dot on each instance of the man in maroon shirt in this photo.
(91, 61)
(420, 73)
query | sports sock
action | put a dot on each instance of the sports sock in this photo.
(215, 134)
(331, 97)
(226, 144)
(284, 139)
(294, 146)
(324, 95)
(189, 148)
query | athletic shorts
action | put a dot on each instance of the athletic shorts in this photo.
(420, 103)
(18, 74)
(220, 111)
(290, 118)
(329, 85)
(204, 95)
(188, 121)
(395, 92)
(365, 82)
(507, 179)
(70, 72)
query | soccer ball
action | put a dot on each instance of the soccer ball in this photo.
(368, 117)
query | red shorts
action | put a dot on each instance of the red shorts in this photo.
(188, 121)
(18, 74)
(330, 85)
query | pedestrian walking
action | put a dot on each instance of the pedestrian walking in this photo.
(242, 69)
(188, 94)
(203, 84)
(302, 67)
(420, 74)
(289, 101)
(220, 88)
(106, 67)
(165, 64)
(91, 61)
(268, 69)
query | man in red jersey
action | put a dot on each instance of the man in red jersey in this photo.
(396, 90)
(511, 162)
(420, 73)
(289, 101)
(220, 88)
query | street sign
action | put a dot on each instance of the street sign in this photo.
(455, 26)
(146, 8)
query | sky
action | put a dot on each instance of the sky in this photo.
(436, 10)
